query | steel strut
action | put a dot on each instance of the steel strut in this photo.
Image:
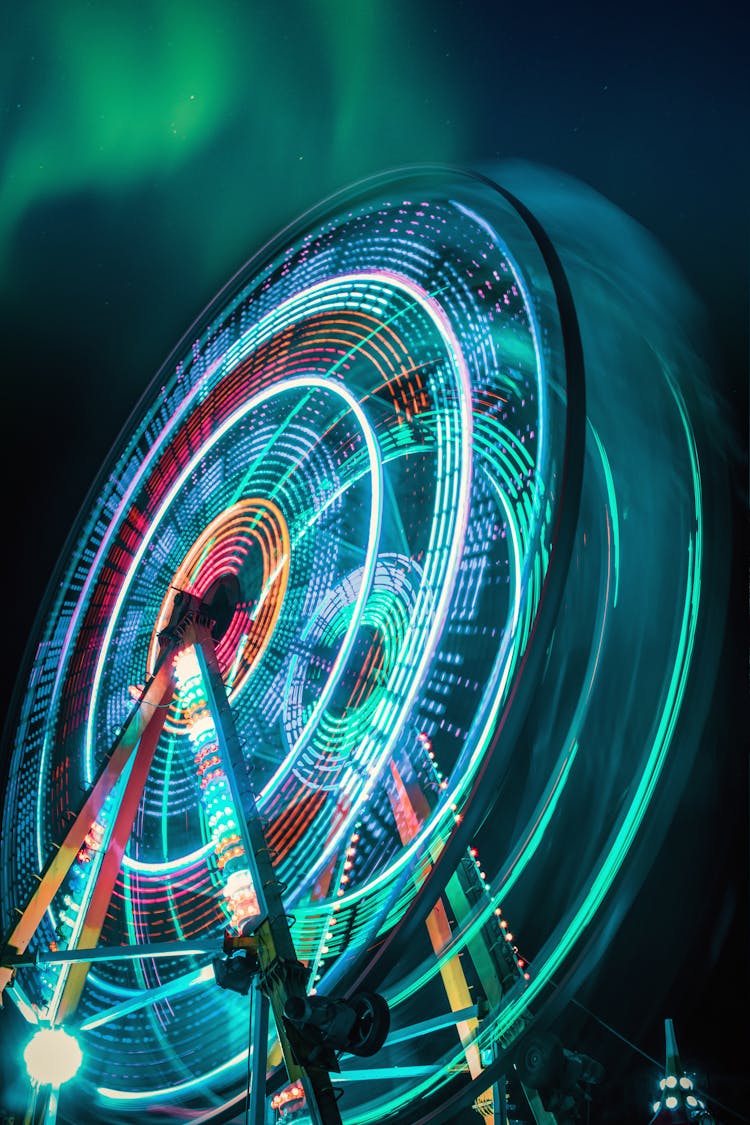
(281, 975)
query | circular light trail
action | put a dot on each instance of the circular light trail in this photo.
(378, 437)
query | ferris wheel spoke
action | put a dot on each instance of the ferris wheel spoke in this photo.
(147, 715)
(178, 986)
(101, 891)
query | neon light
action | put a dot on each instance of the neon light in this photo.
(368, 438)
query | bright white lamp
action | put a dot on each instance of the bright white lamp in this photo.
(52, 1056)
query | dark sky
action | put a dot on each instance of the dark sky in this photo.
(147, 150)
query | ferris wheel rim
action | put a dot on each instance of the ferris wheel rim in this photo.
(566, 516)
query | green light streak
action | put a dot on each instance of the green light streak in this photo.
(612, 502)
(240, 489)
(637, 810)
(150, 1097)
(177, 987)
(501, 1022)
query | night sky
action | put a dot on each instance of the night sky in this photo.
(146, 151)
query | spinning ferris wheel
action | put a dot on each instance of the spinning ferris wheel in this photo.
(343, 648)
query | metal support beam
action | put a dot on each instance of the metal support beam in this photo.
(183, 948)
(106, 877)
(408, 814)
(541, 1114)
(499, 1097)
(60, 862)
(281, 974)
(259, 1048)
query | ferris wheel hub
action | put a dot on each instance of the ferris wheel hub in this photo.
(220, 602)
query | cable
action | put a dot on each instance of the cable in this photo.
(612, 1030)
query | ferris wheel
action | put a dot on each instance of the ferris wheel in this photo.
(345, 645)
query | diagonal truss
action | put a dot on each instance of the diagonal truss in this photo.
(280, 974)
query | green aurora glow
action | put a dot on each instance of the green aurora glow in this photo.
(220, 111)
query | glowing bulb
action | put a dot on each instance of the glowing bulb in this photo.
(656, 1107)
(691, 1101)
(686, 1083)
(671, 1102)
(52, 1056)
(671, 1082)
